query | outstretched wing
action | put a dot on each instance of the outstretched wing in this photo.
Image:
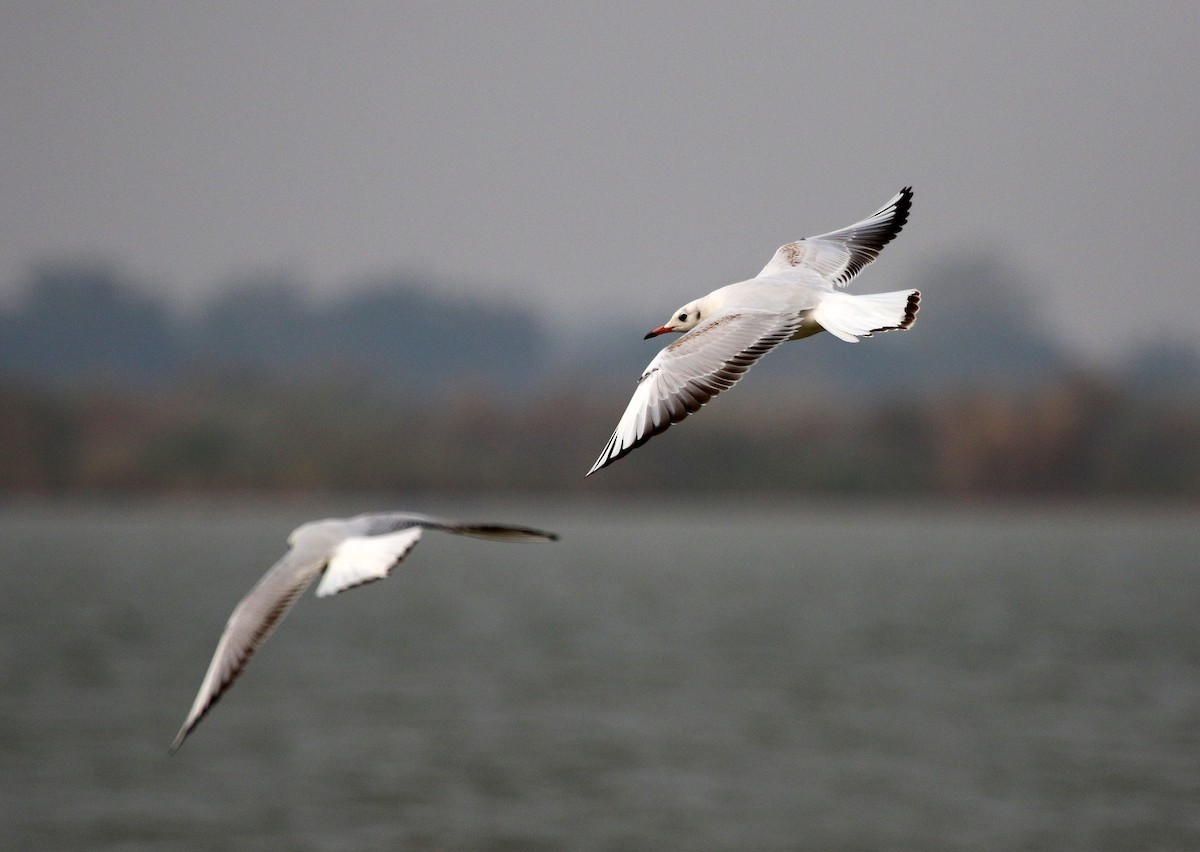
(839, 255)
(688, 373)
(497, 532)
(385, 522)
(252, 621)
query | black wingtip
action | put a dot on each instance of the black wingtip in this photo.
(903, 206)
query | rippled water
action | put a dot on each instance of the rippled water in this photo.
(694, 677)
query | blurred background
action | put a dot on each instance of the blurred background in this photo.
(324, 248)
(263, 263)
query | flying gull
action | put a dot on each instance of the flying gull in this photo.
(344, 553)
(796, 295)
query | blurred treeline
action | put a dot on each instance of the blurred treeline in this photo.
(104, 390)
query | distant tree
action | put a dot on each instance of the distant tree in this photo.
(1164, 366)
(390, 334)
(257, 324)
(79, 323)
(980, 322)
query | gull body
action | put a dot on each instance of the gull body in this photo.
(796, 295)
(344, 553)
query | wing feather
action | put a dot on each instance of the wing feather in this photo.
(689, 372)
(840, 255)
(496, 532)
(252, 621)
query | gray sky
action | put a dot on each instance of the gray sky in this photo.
(607, 159)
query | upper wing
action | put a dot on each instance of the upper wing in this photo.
(379, 523)
(500, 532)
(362, 559)
(839, 255)
(685, 375)
(250, 624)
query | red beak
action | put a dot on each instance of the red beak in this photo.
(662, 329)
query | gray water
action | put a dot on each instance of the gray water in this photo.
(687, 677)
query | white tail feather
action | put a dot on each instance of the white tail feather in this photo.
(849, 317)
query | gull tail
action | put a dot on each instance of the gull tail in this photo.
(849, 317)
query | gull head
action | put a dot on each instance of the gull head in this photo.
(685, 319)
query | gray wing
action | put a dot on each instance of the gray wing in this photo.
(388, 522)
(687, 374)
(252, 621)
(840, 255)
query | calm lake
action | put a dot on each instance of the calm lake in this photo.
(700, 677)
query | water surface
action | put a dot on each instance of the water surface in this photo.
(687, 677)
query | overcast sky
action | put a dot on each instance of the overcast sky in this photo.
(607, 160)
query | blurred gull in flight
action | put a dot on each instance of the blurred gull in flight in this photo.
(345, 553)
(796, 295)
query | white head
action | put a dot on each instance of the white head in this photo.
(685, 319)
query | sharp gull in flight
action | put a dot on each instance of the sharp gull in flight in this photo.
(796, 295)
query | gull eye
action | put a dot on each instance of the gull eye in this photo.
(683, 317)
